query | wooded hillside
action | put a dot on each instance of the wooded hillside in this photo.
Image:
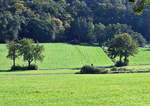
(67, 20)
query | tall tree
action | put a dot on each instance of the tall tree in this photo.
(12, 51)
(82, 30)
(122, 45)
(30, 52)
(100, 33)
(9, 26)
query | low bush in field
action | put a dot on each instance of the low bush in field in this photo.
(32, 67)
(91, 70)
(120, 64)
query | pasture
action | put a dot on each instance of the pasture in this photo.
(75, 90)
(142, 58)
(61, 87)
(60, 55)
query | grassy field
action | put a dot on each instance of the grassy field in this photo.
(62, 87)
(142, 58)
(60, 55)
(75, 90)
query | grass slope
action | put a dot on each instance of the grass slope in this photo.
(142, 58)
(75, 90)
(60, 55)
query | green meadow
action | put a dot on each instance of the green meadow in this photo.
(65, 56)
(60, 55)
(54, 84)
(142, 58)
(74, 90)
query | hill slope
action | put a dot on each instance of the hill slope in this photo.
(142, 58)
(60, 55)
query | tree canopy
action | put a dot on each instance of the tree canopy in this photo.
(29, 51)
(122, 46)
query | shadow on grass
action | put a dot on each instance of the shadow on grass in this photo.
(76, 68)
(14, 70)
(5, 71)
(148, 49)
(85, 44)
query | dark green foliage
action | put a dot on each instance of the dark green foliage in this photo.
(139, 7)
(29, 51)
(65, 20)
(82, 30)
(13, 52)
(9, 26)
(122, 46)
(92, 70)
(38, 30)
(22, 68)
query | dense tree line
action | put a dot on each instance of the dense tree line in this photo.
(67, 20)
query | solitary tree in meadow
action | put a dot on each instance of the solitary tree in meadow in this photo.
(12, 51)
(30, 52)
(122, 46)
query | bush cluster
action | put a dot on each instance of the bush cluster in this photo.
(120, 64)
(32, 67)
(92, 70)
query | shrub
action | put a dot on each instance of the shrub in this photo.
(32, 67)
(123, 70)
(92, 70)
(16, 68)
(114, 69)
(119, 64)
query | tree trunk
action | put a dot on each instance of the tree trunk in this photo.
(125, 59)
(120, 59)
(14, 62)
(29, 63)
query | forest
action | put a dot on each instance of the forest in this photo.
(87, 21)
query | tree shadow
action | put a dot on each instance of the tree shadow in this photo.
(14, 70)
(85, 44)
(5, 71)
(147, 49)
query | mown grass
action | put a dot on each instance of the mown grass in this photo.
(60, 55)
(138, 67)
(75, 90)
(142, 58)
(59, 71)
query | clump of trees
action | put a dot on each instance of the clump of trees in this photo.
(27, 49)
(122, 46)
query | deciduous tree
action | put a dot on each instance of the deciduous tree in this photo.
(30, 52)
(12, 51)
(122, 45)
